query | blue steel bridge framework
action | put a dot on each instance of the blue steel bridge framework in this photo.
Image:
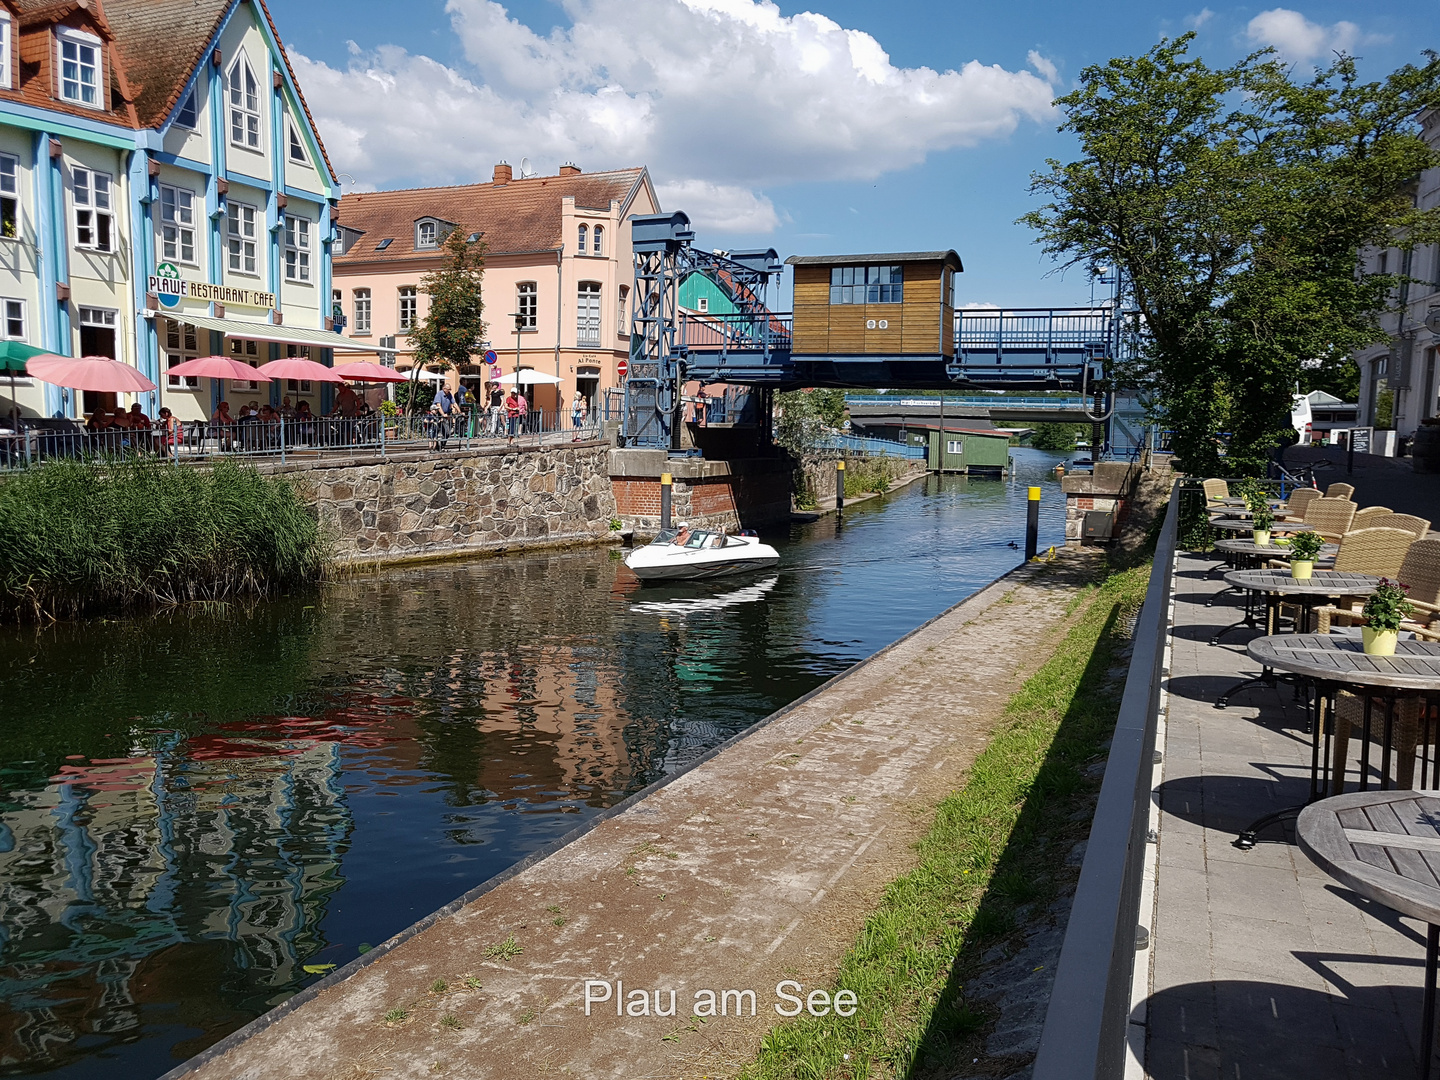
(995, 349)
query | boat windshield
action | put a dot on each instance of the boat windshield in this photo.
(697, 539)
(666, 536)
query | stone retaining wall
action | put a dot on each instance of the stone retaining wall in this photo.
(489, 500)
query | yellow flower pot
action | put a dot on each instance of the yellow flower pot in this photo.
(1379, 642)
(1262, 537)
(1301, 569)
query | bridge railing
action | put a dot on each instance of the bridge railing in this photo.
(1031, 329)
(740, 332)
(989, 401)
(858, 444)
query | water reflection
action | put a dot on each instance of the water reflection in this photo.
(199, 813)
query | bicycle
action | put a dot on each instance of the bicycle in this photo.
(1303, 476)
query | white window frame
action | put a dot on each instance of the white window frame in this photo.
(423, 244)
(297, 249)
(190, 101)
(597, 240)
(583, 241)
(177, 225)
(587, 327)
(6, 41)
(6, 303)
(242, 248)
(78, 40)
(622, 315)
(180, 353)
(361, 301)
(9, 193)
(294, 142)
(247, 110)
(955, 446)
(702, 304)
(412, 294)
(93, 208)
(527, 305)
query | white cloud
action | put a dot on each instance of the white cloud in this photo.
(1297, 38)
(721, 98)
(979, 305)
(720, 207)
(1195, 22)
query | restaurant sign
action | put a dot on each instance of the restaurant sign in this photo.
(171, 288)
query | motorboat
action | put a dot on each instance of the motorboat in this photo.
(685, 555)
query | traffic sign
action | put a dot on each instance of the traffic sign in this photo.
(490, 357)
(623, 368)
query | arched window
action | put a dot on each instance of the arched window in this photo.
(622, 314)
(584, 235)
(244, 105)
(599, 246)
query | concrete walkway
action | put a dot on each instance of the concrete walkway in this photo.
(755, 867)
(1260, 965)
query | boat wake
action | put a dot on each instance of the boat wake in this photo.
(748, 595)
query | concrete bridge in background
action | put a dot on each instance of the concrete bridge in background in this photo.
(1001, 410)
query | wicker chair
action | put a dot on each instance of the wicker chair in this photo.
(1339, 491)
(1294, 507)
(1410, 523)
(1329, 517)
(1371, 518)
(1420, 571)
(1215, 490)
(1368, 551)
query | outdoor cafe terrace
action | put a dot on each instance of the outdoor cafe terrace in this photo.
(1213, 934)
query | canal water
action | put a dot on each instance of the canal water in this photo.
(200, 813)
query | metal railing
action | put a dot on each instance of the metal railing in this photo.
(858, 444)
(989, 401)
(1087, 1020)
(738, 332)
(296, 437)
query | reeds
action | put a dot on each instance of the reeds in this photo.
(79, 537)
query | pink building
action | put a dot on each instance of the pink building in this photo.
(559, 259)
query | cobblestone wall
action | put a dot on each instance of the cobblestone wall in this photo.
(485, 501)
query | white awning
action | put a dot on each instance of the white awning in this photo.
(258, 331)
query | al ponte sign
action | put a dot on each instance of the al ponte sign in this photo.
(171, 288)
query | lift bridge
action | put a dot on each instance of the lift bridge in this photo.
(842, 345)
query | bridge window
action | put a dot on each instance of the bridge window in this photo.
(867, 285)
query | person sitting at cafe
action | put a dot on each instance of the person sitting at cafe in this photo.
(221, 415)
(99, 420)
(138, 419)
(120, 418)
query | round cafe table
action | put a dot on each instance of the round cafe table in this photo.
(1386, 847)
(1276, 585)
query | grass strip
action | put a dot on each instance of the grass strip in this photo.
(993, 857)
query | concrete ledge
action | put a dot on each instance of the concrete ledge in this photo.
(485, 549)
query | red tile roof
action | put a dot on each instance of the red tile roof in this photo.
(159, 44)
(522, 215)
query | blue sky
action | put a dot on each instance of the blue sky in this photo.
(902, 125)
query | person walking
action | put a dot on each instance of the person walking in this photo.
(513, 412)
(577, 414)
(445, 400)
(496, 419)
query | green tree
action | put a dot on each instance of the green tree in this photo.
(1235, 203)
(448, 334)
(805, 415)
(1057, 437)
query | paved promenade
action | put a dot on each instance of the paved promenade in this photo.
(1260, 965)
(757, 866)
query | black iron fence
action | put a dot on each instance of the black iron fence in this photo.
(1087, 1021)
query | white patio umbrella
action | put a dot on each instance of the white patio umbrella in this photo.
(530, 377)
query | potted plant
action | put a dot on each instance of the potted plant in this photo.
(390, 413)
(1261, 519)
(1384, 610)
(1303, 549)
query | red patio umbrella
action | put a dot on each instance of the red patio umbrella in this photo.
(364, 371)
(296, 367)
(218, 367)
(89, 373)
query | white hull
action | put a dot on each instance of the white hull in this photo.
(667, 562)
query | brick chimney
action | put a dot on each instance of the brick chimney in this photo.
(502, 173)
(569, 169)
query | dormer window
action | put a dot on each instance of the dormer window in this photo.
(244, 105)
(5, 81)
(425, 234)
(79, 66)
(188, 116)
